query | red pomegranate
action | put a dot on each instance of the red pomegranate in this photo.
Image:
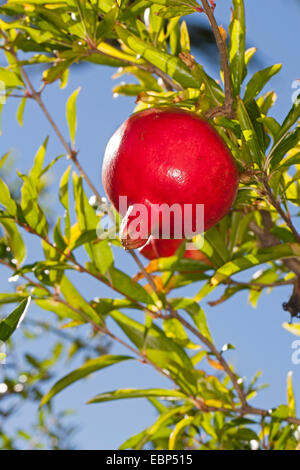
(162, 158)
(158, 248)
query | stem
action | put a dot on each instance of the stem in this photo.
(228, 103)
(218, 355)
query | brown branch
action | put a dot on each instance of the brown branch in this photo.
(174, 314)
(227, 109)
(218, 355)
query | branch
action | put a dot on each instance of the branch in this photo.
(220, 358)
(227, 109)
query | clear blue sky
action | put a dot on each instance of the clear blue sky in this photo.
(261, 342)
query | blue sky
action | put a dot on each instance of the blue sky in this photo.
(261, 342)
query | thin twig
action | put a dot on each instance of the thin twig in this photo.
(227, 109)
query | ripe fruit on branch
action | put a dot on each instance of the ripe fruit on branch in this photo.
(158, 248)
(160, 168)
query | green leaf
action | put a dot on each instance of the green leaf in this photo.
(174, 330)
(64, 199)
(60, 309)
(71, 114)
(184, 38)
(100, 253)
(6, 200)
(10, 79)
(160, 349)
(259, 80)
(31, 210)
(14, 239)
(285, 250)
(4, 158)
(249, 133)
(196, 313)
(178, 430)
(237, 31)
(58, 70)
(88, 368)
(20, 111)
(290, 395)
(7, 298)
(12, 322)
(272, 126)
(170, 395)
(124, 284)
(282, 146)
(293, 328)
(281, 412)
(249, 54)
(291, 119)
(39, 158)
(75, 299)
(171, 65)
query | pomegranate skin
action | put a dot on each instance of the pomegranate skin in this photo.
(158, 248)
(169, 156)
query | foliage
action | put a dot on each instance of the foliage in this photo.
(148, 40)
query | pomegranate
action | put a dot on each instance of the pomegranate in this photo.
(160, 158)
(158, 248)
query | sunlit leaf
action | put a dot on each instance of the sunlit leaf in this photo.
(13, 320)
(90, 366)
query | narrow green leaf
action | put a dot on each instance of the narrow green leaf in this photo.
(160, 349)
(20, 111)
(12, 322)
(293, 328)
(249, 133)
(237, 32)
(285, 250)
(291, 119)
(31, 210)
(178, 430)
(290, 395)
(173, 66)
(71, 114)
(10, 79)
(170, 395)
(75, 299)
(196, 313)
(86, 369)
(128, 287)
(6, 200)
(4, 158)
(59, 309)
(259, 80)
(14, 239)
(184, 38)
(39, 158)
(64, 199)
